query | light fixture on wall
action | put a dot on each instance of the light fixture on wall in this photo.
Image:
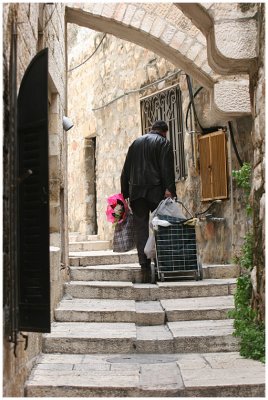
(67, 123)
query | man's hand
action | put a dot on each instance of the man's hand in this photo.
(168, 193)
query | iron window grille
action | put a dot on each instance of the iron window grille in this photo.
(167, 106)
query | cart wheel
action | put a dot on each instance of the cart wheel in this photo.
(153, 270)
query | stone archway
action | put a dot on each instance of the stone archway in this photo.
(165, 30)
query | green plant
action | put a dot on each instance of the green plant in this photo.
(246, 257)
(246, 324)
(247, 327)
(243, 179)
(242, 176)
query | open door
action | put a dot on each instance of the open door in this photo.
(33, 277)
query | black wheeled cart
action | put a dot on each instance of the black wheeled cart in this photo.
(176, 250)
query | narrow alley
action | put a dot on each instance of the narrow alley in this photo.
(81, 83)
(116, 337)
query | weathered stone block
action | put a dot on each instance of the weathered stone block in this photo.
(187, 42)
(108, 10)
(243, 43)
(54, 145)
(147, 23)
(97, 8)
(137, 18)
(194, 50)
(232, 96)
(130, 11)
(154, 339)
(201, 57)
(225, 11)
(205, 67)
(120, 11)
(55, 239)
(258, 177)
(54, 192)
(159, 25)
(55, 219)
(168, 34)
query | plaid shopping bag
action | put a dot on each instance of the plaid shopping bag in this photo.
(124, 235)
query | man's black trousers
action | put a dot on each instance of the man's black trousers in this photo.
(141, 210)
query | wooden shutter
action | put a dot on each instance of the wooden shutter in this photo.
(213, 166)
(33, 198)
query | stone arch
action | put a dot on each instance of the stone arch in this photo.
(140, 24)
(243, 53)
(163, 41)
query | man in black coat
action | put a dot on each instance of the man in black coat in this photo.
(147, 178)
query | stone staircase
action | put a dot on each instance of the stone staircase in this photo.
(116, 337)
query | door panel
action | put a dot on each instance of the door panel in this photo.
(33, 198)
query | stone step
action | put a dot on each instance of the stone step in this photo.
(143, 312)
(78, 237)
(146, 375)
(93, 245)
(180, 336)
(149, 292)
(197, 308)
(102, 257)
(99, 310)
(132, 272)
(114, 272)
(221, 271)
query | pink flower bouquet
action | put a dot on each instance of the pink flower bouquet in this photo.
(117, 208)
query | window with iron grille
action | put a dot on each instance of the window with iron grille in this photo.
(167, 106)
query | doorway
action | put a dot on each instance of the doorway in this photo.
(91, 195)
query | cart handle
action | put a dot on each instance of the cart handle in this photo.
(206, 210)
(181, 203)
(198, 213)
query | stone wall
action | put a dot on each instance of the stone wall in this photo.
(258, 189)
(38, 26)
(117, 68)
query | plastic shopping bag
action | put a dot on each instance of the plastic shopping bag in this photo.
(149, 248)
(169, 207)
